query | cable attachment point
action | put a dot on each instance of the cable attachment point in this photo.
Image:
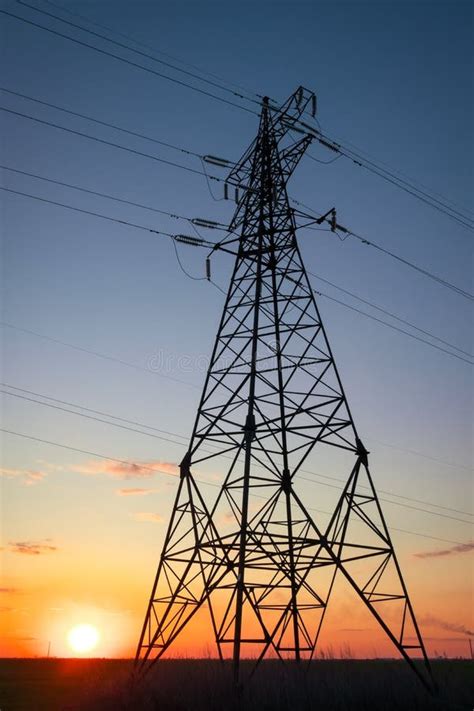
(202, 222)
(216, 160)
(324, 218)
(192, 241)
(286, 481)
(249, 427)
(185, 466)
(362, 452)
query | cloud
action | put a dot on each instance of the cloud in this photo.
(30, 547)
(441, 553)
(28, 476)
(34, 477)
(134, 492)
(127, 470)
(227, 518)
(9, 591)
(448, 626)
(52, 466)
(147, 516)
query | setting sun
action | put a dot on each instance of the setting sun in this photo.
(83, 638)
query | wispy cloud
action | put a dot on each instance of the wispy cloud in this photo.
(31, 547)
(441, 553)
(34, 477)
(134, 492)
(27, 476)
(433, 621)
(9, 591)
(148, 516)
(52, 466)
(227, 517)
(127, 470)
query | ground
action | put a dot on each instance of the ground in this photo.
(206, 685)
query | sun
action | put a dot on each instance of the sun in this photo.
(83, 638)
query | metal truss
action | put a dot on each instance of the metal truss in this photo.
(253, 555)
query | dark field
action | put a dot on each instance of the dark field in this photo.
(205, 685)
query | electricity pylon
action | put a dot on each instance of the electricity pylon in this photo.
(253, 554)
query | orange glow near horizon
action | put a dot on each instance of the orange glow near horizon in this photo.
(348, 630)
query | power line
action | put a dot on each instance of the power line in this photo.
(208, 177)
(148, 229)
(193, 241)
(407, 187)
(108, 143)
(397, 503)
(174, 434)
(395, 328)
(324, 162)
(97, 354)
(89, 417)
(425, 272)
(388, 176)
(328, 297)
(184, 382)
(89, 212)
(334, 144)
(100, 456)
(90, 409)
(390, 325)
(137, 367)
(424, 456)
(359, 237)
(173, 237)
(364, 240)
(139, 52)
(215, 225)
(389, 313)
(324, 140)
(152, 469)
(129, 132)
(180, 264)
(400, 173)
(205, 243)
(129, 62)
(153, 49)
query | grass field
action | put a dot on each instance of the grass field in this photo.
(205, 685)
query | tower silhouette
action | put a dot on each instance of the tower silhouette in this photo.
(253, 554)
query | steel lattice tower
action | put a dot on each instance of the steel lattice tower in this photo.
(254, 555)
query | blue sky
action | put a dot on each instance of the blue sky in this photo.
(394, 78)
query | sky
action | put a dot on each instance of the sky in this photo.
(103, 316)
